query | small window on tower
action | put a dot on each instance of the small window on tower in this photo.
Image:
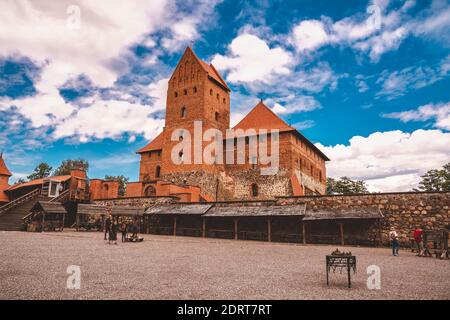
(216, 116)
(217, 96)
(254, 190)
(183, 112)
(211, 92)
(224, 100)
(158, 172)
(176, 94)
(195, 89)
(185, 92)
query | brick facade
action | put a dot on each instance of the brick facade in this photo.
(196, 92)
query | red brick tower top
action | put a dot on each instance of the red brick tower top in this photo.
(4, 177)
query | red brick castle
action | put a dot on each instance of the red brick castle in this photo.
(197, 92)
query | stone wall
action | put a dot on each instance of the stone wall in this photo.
(404, 211)
(134, 201)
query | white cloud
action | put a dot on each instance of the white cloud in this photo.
(440, 113)
(293, 104)
(389, 161)
(306, 124)
(251, 59)
(38, 30)
(309, 35)
(398, 83)
(109, 119)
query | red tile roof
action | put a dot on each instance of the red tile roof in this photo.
(37, 182)
(3, 168)
(209, 68)
(261, 117)
(155, 144)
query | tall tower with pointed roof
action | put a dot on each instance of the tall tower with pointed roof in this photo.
(4, 177)
(198, 94)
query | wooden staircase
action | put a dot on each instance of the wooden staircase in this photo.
(13, 212)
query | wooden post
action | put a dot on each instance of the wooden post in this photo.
(341, 232)
(236, 220)
(174, 226)
(204, 228)
(269, 229)
(304, 232)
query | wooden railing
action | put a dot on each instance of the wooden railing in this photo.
(12, 204)
(62, 196)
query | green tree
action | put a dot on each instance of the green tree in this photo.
(71, 164)
(122, 182)
(345, 185)
(435, 180)
(43, 170)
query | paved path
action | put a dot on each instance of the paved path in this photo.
(34, 265)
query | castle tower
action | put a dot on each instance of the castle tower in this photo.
(196, 93)
(4, 177)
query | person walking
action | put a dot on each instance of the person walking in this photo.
(113, 232)
(124, 230)
(418, 238)
(393, 235)
(107, 225)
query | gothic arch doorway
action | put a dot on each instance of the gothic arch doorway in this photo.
(150, 191)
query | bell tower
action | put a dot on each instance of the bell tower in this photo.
(196, 93)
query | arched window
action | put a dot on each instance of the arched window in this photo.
(216, 116)
(254, 190)
(183, 112)
(158, 172)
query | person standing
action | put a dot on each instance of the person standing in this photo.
(393, 235)
(107, 225)
(418, 238)
(113, 232)
(124, 230)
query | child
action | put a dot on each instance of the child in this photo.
(393, 235)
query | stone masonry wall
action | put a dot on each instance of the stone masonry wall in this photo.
(135, 201)
(404, 211)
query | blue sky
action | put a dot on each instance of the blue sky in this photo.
(367, 81)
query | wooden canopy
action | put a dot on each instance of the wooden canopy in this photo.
(90, 209)
(127, 211)
(256, 211)
(49, 207)
(349, 213)
(179, 209)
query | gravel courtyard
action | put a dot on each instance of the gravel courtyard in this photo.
(34, 266)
